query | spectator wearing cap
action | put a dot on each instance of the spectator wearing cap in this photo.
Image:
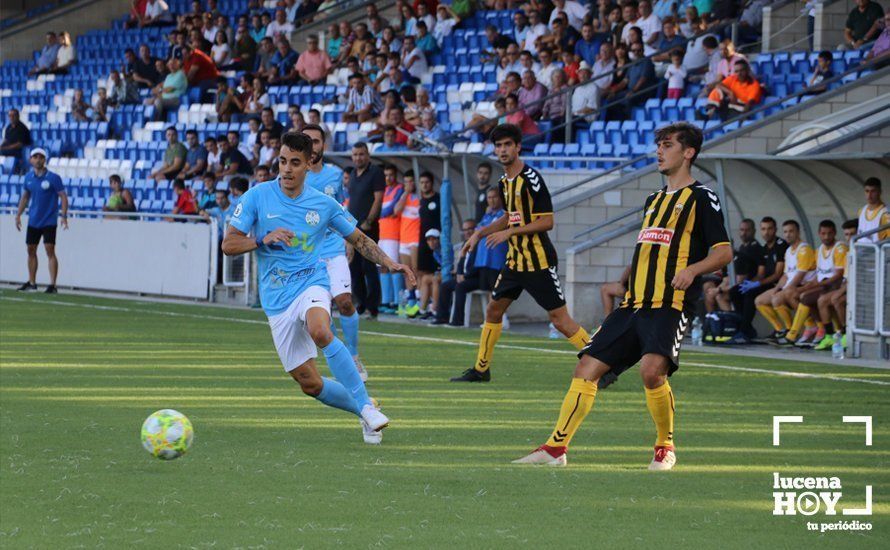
(42, 194)
(430, 281)
(314, 65)
(47, 59)
(16, 136)
(585, 98)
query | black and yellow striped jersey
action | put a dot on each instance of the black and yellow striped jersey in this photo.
(679, 229)
(526, 198)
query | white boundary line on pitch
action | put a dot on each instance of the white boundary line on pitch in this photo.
(791, 374)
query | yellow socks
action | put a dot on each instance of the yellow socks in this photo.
(577, 403)
(770, 315)
(580, 338)
(784, 313)
(800, 318)
(489, 337)
(660, 402)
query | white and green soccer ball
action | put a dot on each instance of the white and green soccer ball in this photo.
(167, 434)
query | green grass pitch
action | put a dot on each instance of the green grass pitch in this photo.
(271, 468)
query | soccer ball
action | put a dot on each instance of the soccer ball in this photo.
(167, 434)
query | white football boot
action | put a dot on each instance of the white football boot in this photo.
(370, 436)
(664, 459)
(375, 419)
(541, 456)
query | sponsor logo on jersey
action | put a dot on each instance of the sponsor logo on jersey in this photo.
(656, 235)
(515, 218)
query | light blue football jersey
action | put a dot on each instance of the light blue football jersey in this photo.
(330, 182)
(285, 272)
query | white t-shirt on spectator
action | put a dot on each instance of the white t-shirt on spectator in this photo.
(258, 104)
(210, 34)
(649, 25)
(419, 67)
(221, 54)
(65, 56)
(713, 74)
(574, 11)
(246, 150)
(545, 74)
(585, 97)
(443, 29)
(212, 159)
(696, 56)
(625, 32)
(156, 9)
(534, 32)
(266, 155)
(275, 28)
(676, 77)
(430, 21)
(600, 68)
(250, 142)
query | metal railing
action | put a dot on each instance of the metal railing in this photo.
(868, 314)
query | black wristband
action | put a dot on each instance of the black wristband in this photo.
(259, 242)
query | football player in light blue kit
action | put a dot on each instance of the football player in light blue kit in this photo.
(289, 222)
(328, 179)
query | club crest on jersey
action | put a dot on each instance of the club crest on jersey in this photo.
(44, 185)
(312, 218)
(329, 190)
(515, 217)
(656, 235)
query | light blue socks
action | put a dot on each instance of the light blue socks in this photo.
(386, 296)
(349, 326)
(333, 394)
(398, 285)
(343, 368)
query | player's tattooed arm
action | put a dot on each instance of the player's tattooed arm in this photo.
(366, 246)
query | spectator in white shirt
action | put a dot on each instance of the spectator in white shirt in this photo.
(221, 53)
(413, 59)
(699, 53)
(690, 24)
(66, 55)
(446, 20)
(573, 10)
(423, 14)
(156, 14)
(536, 29)
(586, 97)
(650, 24)
(605, 64)
(208, 29)
(548, 67)
(676, 76)
(631, 17)
(281, 26)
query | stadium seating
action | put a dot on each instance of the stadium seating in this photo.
(129, 143)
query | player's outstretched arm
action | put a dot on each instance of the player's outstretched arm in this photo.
(366, 246)
(237, 242)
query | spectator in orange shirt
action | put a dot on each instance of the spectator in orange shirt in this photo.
(737, 92)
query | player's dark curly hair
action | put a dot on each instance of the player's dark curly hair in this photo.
(297, 141)
(506, 131)
(687, 134)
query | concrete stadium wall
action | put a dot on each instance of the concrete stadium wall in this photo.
(158, 258)
(785, 26)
